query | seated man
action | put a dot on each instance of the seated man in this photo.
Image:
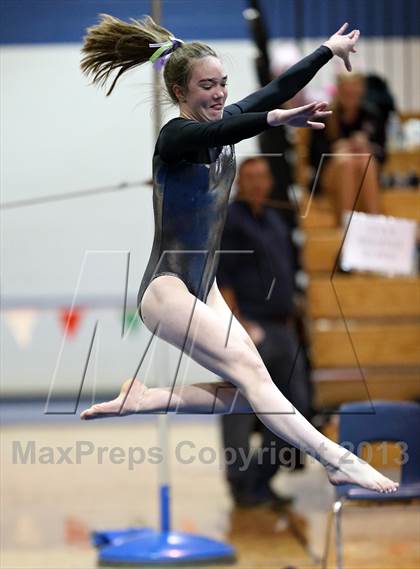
(259, 289)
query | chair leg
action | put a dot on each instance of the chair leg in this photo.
(338, 507)
(327, 539)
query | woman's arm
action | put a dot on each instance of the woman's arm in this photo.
(283, 87)
(181, 137)
(294, 79)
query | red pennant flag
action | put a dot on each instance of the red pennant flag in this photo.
(70, 320)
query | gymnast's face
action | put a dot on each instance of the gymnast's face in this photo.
(207, 91)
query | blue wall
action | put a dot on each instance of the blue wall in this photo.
(44, 21)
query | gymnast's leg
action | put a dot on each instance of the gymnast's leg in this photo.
(216, 397)
(347, 174)
(179, 318)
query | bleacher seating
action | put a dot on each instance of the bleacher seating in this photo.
(364, 330)
(364, 337)
(316, 213)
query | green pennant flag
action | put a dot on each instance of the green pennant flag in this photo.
(132, 321)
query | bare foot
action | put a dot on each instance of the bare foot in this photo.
(128, 402)
(353, 470)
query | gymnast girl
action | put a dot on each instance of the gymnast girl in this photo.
(193, 170)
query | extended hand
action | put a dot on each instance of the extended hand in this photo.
(343, 45)
(305, 116)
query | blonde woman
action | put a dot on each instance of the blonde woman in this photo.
(353, 149)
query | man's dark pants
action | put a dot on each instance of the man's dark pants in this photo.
(285, 361)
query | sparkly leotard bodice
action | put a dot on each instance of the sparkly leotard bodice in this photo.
(189, 204)
(193, 171)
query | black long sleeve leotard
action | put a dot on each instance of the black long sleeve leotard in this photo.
(193, 171)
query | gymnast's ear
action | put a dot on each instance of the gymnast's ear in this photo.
(179, 93)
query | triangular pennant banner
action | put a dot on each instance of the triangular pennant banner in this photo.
(70, 320)
(132, 321)
(21, 322)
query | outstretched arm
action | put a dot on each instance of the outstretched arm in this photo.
(294, 79)
(180, 137)
(283, 87)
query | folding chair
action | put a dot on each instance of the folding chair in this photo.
(376, 421)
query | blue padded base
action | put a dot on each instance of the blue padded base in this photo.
(147, 547)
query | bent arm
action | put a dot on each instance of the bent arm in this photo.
(182, 136)
(285, 86)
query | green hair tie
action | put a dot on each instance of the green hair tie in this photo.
(163, 47)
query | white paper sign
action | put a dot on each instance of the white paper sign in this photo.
(380, 243)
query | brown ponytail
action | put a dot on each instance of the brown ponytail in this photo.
(114, 43)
